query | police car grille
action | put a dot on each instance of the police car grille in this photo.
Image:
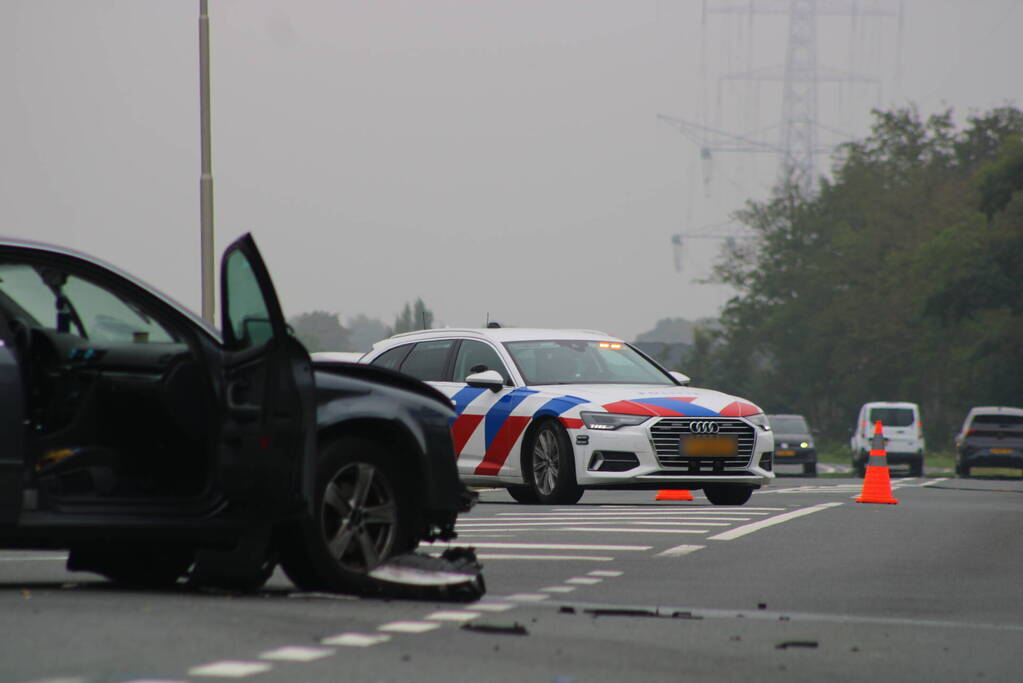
(667, 432)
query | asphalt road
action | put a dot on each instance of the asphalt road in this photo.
(800, 584)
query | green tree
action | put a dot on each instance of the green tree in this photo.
(320, 331)
(415, 316)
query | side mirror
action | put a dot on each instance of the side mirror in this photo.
(682, 379)
(488, 379)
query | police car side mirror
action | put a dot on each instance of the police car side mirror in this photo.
(680, 378)
(488, 379)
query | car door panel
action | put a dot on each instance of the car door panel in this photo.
(12, 451)
(267, 401)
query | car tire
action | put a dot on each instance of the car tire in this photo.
(550, 466)
(916, 469)
(721, 494)
(860, 465)
(523, 494)
(964, 471)
(810, 469)
(362, 517)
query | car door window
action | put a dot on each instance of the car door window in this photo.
(247, 313)
(392, 359)
(474, 356)
(428, 361)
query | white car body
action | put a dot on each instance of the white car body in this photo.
(492, 431)
(899, 438)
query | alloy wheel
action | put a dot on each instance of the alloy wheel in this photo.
(546, 461)
(359, 517)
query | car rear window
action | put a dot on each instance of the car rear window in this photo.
(1007, 420)
(789, 425)
(892, 417)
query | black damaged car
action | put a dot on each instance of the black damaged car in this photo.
(155, 448)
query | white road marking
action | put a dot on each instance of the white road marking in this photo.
(932, 482)
(631, 519)
(636, 530)
(699, 523)
(491, 606)
(680, 550)
(527, 597)
(745, 509)
(770, 521)
(134, 680)
(582, 558)
(229, 668)
(558, 589)
(297, 653)
(356, 639)
(408, 626)
(546, 546)
(45, 558)
(662, 513)
(584, 580)
(605, 572)
(452, 615)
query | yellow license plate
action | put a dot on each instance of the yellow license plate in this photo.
(708, 446)
(785, 452)
(1002, 451)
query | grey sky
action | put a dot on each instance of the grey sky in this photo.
(499, 157)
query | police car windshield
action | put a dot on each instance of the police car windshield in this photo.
(561, 361)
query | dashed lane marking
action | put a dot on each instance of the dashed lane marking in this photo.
(491, 606)
(452, 615)
(356, 639)
(661, 512)
(408, 626)
(932, 482)
(584, 580)
(546, 546)
(297, 653)
(605, 572)
(229, 668)
(680, 550)
(636, 530)
(745, 529)
(558, 589)
(579, 558)
(527, 597)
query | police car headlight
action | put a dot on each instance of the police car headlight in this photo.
(609, 421)
(760, 420)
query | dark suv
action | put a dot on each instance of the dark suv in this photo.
(991, 436)
(154, 447)
(793, 443)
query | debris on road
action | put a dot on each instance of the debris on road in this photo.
(796, 643)
(513, 629)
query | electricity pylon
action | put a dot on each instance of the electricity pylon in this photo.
(800, 75)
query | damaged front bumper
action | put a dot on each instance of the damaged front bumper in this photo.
(455, 575)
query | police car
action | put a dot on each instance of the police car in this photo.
(548, 414)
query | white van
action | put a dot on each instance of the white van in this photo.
(903, 435)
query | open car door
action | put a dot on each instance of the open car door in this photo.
(12, 428)
(269, 430)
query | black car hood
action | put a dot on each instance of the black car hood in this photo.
(788, 438)
(378, 375)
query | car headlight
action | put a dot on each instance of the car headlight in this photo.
(609, 421)
(806, 444)
(760, 420)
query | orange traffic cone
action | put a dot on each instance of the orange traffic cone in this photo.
(673, 494)
(877, 487)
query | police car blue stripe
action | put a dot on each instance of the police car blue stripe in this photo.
(464, 397)
(556, 406)
(498, 415)
(681, 407)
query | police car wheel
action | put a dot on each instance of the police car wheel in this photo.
(362, 518)
(523, 494)
(719, 494)
(551, 466)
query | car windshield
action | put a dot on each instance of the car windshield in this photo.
(562, 361)
(892, 417)
(789, 425)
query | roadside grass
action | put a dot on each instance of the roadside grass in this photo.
(838, 453)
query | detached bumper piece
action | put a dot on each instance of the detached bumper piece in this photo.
(456, 576)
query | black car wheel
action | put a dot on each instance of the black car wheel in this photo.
(719, 494)
(810, 469)
(523, 494)
(363, 517)
(550, 466)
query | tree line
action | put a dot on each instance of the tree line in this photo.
(900, 279)
(323, 331)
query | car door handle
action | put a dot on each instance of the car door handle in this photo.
(238, 409)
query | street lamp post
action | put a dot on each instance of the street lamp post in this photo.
(206, 172)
